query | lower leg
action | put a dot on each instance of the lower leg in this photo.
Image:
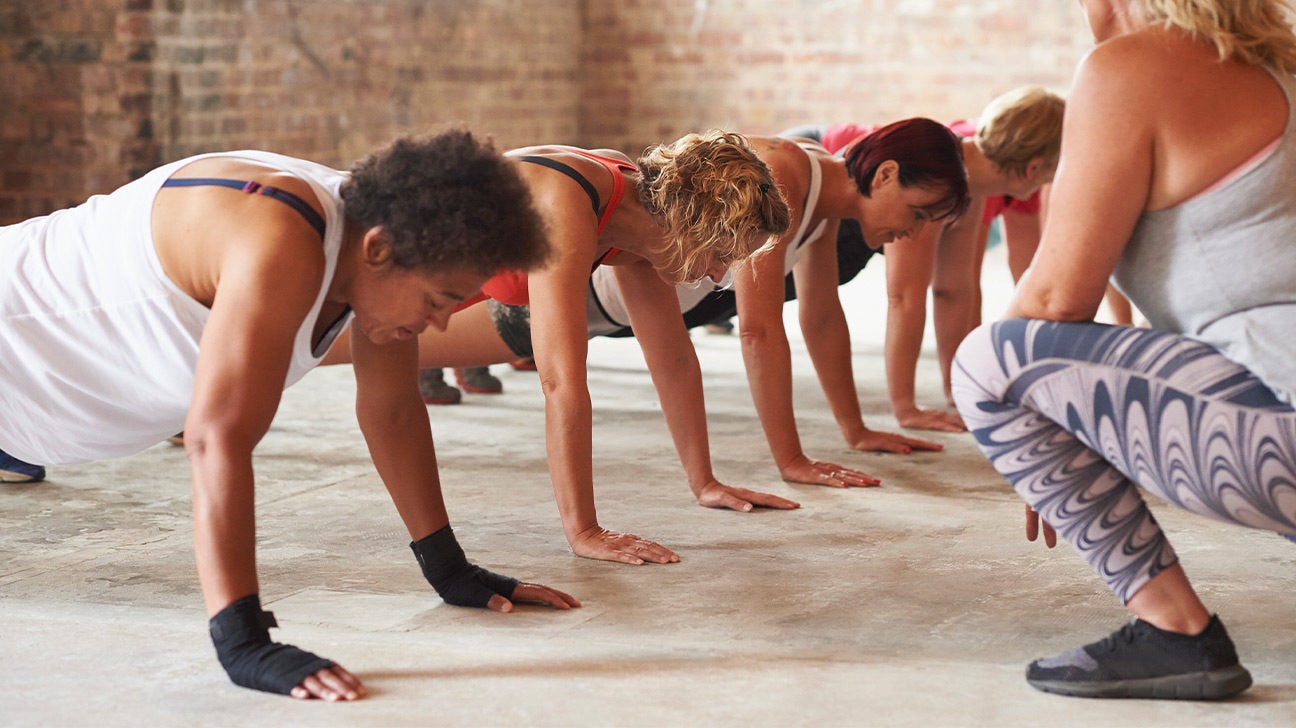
(1167, 601)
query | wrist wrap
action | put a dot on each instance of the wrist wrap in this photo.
(241, 634)
(457, 581)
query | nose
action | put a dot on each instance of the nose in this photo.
(910, 233)
(716, 271)
(439, 320)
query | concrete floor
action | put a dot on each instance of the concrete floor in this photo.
(914, 604)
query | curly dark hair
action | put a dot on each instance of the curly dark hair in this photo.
(448, 200)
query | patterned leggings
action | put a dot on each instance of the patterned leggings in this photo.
(1074, 415)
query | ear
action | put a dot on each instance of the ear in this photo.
(887, 173)
(1033, 168)
(375, 249)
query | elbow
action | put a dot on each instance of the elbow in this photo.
(906, 300)
(754, 336)
(1054, 308)
(387, 415)
(949, 295)
(205, 442)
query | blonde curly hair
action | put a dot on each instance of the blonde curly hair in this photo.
(714, 197)
(1258, 32)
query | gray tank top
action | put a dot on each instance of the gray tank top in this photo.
(1221, 266)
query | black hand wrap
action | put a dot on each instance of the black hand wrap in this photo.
(457, 581)
(241, 633)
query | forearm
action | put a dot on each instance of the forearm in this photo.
(769, 375)
(399, 438)
(903, 345)
(569, 446)
(953, 318)
(678, 380)
(828, 342)
(224, 522)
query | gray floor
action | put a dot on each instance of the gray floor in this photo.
(917, 603)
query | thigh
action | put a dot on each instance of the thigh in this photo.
(1172, 414)
(471, 339)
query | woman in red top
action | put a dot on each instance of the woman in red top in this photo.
(684, 211)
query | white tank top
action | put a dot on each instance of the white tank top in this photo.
(97, 345)
(605, 310)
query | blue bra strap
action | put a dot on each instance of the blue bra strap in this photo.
(256, 188)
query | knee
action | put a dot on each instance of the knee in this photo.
(979, 373)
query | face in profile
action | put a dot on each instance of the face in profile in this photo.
(895, 213)
(395, 304)
(1036, 176)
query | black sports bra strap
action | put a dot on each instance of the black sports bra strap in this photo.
(570, 172)
(256, 188)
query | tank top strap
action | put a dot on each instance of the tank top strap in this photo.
(251, 187)
(615, 167)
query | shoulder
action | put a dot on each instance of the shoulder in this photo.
(1139, 63)
(786, 160)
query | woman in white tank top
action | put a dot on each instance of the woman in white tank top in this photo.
(123, 320)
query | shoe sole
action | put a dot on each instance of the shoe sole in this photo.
(1213, 685)
(480, 390)
(12, 478)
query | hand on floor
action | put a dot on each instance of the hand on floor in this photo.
(599, 543)
(332, 684)
(872, 440)
(534, 594)
(926, 418)
(815, 472)
(718, 495)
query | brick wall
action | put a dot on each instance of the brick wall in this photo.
(98, 91)
(658, 68)
(94, 92)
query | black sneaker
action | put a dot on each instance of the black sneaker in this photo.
(1142, 661)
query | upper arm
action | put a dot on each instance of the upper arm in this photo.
(815, 274)
(654, 309)
(269, 276)
(1101, 188)
(559, 331)
(909, 265)
(759, 281)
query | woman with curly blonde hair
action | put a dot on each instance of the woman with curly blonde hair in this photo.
(686, 210)
(1174, 180)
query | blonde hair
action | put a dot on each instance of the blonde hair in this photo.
(1019, 126)
(1257, 32)
(714, 196)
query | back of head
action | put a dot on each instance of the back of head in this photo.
(1258, 32)
(715, 197)
(1019, 126)
(447, 201)
(929, 155)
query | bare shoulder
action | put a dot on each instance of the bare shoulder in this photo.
(1145, 62)
(786, 160)
(204, 233)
